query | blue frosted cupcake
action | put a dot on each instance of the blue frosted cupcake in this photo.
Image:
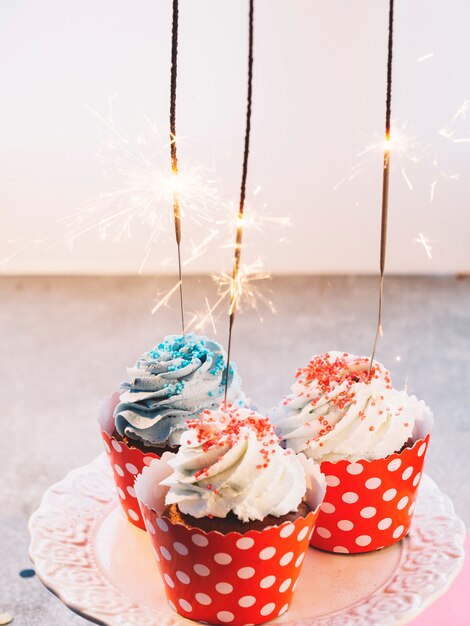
(174, 382)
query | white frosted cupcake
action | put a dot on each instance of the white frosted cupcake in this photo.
(358, 427)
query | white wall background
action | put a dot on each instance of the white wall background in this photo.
(318, 100)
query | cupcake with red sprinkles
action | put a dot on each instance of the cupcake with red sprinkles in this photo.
(241, 510)
(347, 416)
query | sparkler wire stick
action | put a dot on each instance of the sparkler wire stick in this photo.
(235, 291)
(385, 183)
(174, 158)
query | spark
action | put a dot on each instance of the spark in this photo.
(257, 190)
(246, 292)
(198, 250)
(258, 219)
(163, 301)
(15, 252)
(141, 189)
(407, 180)
(425, 57)
(433, 188)
(398, 358)
(407, 154)
(210, 315)
(462, 110)
(426, 243)
(451, 129)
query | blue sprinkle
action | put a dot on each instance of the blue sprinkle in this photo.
(27, 573)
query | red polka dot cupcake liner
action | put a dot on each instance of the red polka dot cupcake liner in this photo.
(237, 578)
(369, 505)
(126, 463)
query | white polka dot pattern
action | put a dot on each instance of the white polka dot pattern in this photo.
(126, 464)
(200, 540)
(246, 572)
(267, 609)
(245, 543)
(183, 578)
(133, 515)
(368, 504)
(287, 530)
(368, 511)
(394, 465)
(363, 540)
(327, 507)
(169, 580)
(204, 573)
(224, 588)
(354, 468)
(332, 481)
(131, 468)
(203, 598)
(225, 616)
(287, 558)
(247, 601)
(267, 582)
(201, 569)
(184, 604)
(180, 548)
(345, 524)
(119, 470)
(268, 553)
(116, 445)
(385, 523)
(350, 497)
(389, 494)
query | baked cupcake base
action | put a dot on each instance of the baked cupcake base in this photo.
(140, 445)
(231, 523)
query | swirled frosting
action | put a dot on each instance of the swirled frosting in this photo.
(337, 410)
(230, 460)
(172, 383)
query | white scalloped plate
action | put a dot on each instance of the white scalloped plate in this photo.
(103, 568)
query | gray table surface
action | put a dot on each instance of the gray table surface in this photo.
(65, 343)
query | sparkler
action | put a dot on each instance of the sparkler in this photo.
(141, 186)
(174, 158)
(385, 181)
(235, 285)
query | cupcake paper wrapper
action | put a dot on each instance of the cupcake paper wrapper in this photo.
(126, 463)
(237, 578)
(369, 504)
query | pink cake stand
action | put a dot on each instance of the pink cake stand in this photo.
(102, 567)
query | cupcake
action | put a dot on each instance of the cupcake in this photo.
(174, 382)
(370, 440)
(230, 516)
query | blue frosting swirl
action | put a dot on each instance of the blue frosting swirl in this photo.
(172, 383)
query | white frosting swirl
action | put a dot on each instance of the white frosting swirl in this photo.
(230, 460)
(336, 411)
